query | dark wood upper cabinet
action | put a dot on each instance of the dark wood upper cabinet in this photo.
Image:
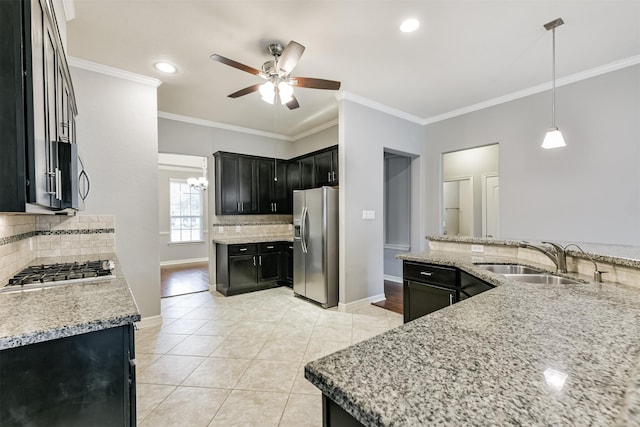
(326, 168)
(38, 109)
(259, 185)
(236, 184)
(272, 186)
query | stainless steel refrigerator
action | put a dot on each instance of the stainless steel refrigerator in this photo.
(315, 245)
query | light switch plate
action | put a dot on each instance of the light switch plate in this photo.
(290, 227)
(368, 214)
(221, 230)
(477, 248)
(237, 228)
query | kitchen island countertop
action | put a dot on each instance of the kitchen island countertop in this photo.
(29, 317)
(519, 354)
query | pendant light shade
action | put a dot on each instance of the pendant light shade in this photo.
(553, 138)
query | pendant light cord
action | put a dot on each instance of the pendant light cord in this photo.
(553, 80)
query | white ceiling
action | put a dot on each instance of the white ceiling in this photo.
(465, 52)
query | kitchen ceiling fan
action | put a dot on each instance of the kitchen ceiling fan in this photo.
(277, 73)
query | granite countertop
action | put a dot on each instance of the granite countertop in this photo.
(29, 317)
(239, 240)
(519, 354)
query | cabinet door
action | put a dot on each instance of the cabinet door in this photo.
(307, 179)
(334, 167)
(287, 262)
(269, 267)
(247, 185)
(227, 197)
(421, 299)
(281, 195)
(323, 169)
(242, 272)
(265, 186)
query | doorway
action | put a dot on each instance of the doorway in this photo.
(457, 197)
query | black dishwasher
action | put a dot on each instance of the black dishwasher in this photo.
(428, 287)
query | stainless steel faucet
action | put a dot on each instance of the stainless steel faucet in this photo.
(597, 274)
(555, 253)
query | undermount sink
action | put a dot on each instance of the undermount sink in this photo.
(548, 279)
(509, 269)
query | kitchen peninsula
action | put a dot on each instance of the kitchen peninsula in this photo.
(518, 354)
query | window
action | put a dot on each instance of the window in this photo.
(186, 211)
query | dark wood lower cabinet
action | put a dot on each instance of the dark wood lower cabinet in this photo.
(250, 267)
(427, 288)
(334, 416)
(82, 380)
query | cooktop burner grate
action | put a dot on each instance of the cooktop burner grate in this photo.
(64, 272)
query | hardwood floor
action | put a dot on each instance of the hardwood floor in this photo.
(393, 295)
(184, 279)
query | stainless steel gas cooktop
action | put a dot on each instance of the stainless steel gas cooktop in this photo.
(39, 276)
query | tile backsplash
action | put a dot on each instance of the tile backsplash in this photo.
(24, 238)
(251, 225)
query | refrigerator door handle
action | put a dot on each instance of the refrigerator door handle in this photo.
(303, 230)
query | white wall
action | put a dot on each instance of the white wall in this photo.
(176, 253)
(118, 142)
(364, 134)
(588, 191)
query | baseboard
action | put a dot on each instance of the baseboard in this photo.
(394, 279)
(148, 321)
(354, 305)
(183, 261)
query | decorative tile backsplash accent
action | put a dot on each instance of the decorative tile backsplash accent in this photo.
(24, 238)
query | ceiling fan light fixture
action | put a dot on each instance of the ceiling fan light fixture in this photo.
(285, 91)
(268, 92)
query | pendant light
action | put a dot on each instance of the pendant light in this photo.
(553, 138)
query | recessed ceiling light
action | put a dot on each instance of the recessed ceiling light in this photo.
(165, 67)
(409, 25)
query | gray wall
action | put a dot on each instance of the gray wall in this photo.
(118, 142)
(364, 134)
(317, 141)
(173, 253)
(587, 191)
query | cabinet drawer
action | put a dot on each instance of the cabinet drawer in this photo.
(428, 273)
(243, 249)
(270, 247)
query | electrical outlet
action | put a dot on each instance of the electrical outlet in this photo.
(221, 230)
(477, 248)
(290, 227)
(368, 214)
(238, 228)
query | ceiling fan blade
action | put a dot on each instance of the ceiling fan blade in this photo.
(290, 57)
(293, 104)
(235, 64)
(245, 91)
(312, 83)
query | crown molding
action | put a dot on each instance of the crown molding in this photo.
(315, 130)
(573, 78)
(112, 71)
(218, 125)
(69, 8)
(379, 107)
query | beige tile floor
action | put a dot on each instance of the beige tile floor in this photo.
(239, 361)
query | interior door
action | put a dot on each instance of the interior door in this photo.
(492, 206)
